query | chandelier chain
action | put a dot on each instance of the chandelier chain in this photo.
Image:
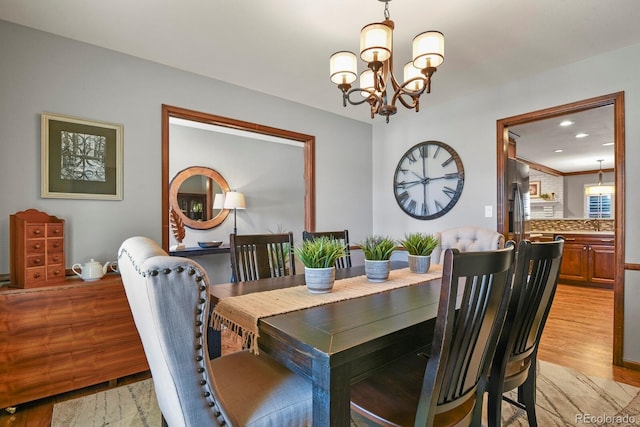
(386, 10)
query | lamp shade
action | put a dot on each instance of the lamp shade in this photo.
(411, 72)
(375, 42)
(367, 82)
(218, 201)
(597, 190)
(428, 49)
(234, 200)
(343, 67)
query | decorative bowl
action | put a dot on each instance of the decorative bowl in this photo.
(213, 244)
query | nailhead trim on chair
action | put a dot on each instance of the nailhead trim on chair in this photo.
(199, 324)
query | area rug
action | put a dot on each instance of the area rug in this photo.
(565, 398)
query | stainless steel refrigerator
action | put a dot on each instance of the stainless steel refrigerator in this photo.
(518, 199)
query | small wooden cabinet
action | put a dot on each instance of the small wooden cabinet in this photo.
(37, 249)
(588, 259)
(61, 338)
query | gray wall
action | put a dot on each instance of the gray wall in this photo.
(40, 72)
(574, 192)
(469, 126)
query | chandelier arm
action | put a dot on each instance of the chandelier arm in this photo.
(402, 92)
(372, 96)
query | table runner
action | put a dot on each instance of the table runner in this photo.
(241, 313)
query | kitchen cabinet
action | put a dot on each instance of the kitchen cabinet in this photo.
(588, 259)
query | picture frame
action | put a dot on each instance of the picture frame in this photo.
(534, 189)
(81, 158)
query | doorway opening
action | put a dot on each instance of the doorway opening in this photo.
(502, 148)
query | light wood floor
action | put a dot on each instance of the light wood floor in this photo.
(578, 335)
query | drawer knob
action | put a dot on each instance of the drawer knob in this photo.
(36, 246)
(36, 231)
(37, 261)
(36, 275)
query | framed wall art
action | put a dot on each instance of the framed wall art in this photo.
(534, 189)
(81, 159)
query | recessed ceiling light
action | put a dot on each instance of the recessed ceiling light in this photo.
(582, 135)
(566, 123)
(559, 150)
(606, 144)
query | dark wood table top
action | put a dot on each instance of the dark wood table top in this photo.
(336, 344)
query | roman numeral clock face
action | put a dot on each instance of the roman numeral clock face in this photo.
(428, 180)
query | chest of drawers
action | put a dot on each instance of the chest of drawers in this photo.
(37, 249)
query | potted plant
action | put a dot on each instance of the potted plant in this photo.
(377, 251)
(420, 246)
(319, 257)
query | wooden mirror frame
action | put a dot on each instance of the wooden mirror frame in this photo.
(174, 189)
(617, 100)
(169, 111)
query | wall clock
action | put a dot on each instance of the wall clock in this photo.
(428, 180)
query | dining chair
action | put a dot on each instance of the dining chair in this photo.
(442, 388)
(259, 256)
(466, 238)
(514, 365)
(169, 300)
(342, 236)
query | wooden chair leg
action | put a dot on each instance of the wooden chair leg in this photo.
(494, 404)
(527, 395)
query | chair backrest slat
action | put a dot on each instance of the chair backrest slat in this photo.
(465, 335)
(535, 283)
(259, 256)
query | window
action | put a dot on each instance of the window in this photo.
(600, 206)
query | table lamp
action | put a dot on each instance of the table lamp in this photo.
(234, 200)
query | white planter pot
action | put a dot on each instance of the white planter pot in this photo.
(377, 271)
(319, 280)
(419, 263)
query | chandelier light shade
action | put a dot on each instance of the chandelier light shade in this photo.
(428, 49)
(378, 85)
(343, 67)
(375, 42)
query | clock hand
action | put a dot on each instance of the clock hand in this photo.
(447, 176)
(409, 184)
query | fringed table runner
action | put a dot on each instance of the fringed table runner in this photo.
(241, 313)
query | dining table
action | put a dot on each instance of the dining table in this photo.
(335, 345)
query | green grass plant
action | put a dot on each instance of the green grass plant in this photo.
(377, 248)
(320, 252)
(420, 244)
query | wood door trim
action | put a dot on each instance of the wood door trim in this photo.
(502, 144)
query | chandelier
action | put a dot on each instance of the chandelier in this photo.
(376, 49)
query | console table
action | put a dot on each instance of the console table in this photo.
(60, 338)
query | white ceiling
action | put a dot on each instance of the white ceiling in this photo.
(282, 47)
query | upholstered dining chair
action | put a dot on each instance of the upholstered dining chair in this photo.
(258, 256)
(342, 236)
(443, 388)
(514, 365)
(169, 300)
(466, 238)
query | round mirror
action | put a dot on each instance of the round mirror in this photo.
(191, 194)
